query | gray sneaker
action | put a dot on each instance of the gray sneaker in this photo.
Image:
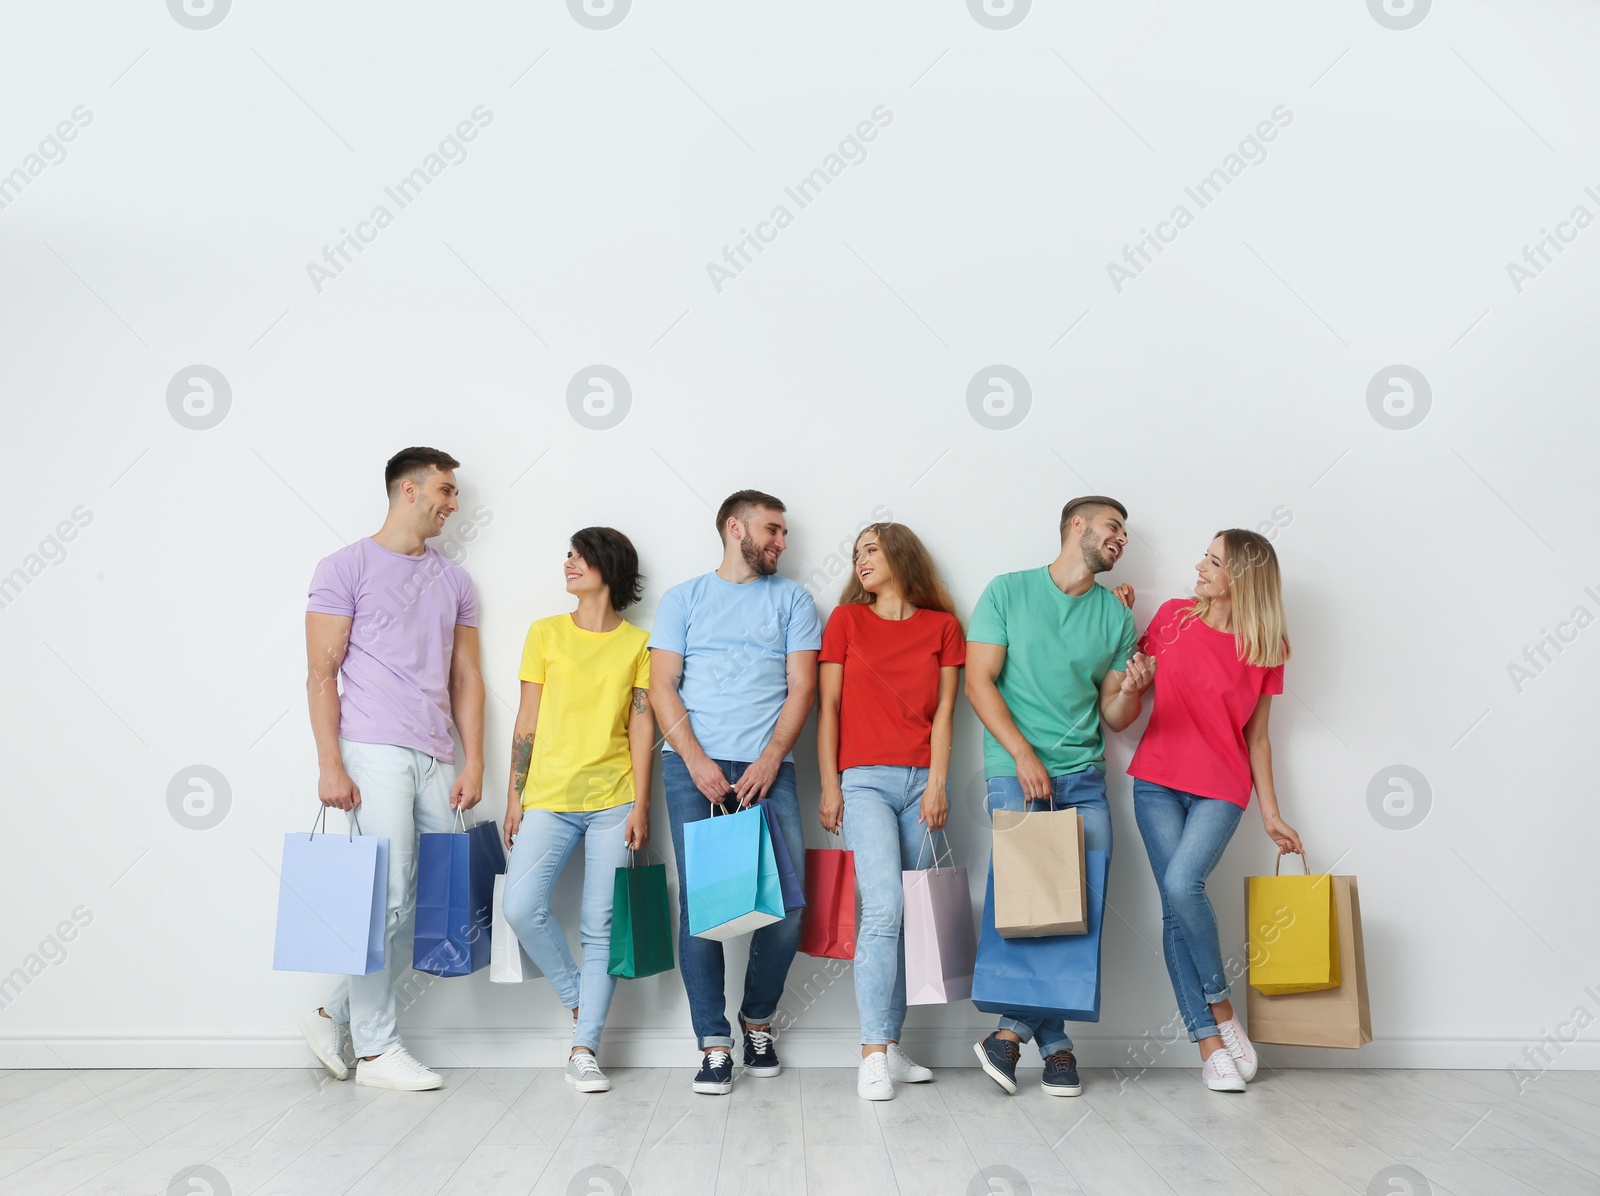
(584, 1074)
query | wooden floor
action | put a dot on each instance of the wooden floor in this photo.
(494, 1131)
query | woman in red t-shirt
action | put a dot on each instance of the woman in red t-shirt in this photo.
(889, 672)
(1218, 660)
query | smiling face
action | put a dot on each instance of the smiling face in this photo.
(1105, 537)
(872, 563)
(1211, 573)
(762, 539)
(433, 500)
(582, 578)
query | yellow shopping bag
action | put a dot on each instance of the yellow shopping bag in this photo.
(1294, 932)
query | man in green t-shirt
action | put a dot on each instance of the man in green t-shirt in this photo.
(1050, 658)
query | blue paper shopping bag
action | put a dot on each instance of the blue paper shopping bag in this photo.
(732, 873)
(333, 893)
(794, 892)
(455, 899)
(1056, 976)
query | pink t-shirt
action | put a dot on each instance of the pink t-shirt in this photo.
(403, 611)
(1204, 696)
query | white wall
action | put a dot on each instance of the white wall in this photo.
(1225, 384)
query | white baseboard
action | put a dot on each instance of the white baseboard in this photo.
(801, 1047)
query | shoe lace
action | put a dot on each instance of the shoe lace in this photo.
(877, 1065)
(1230, 1037)
(1062, 1060)
(1222, 1063)
(586, 1065)
(1012, 1050)
(406, 1061)
(718, 1058)
(760, 1041)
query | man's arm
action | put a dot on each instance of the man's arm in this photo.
(984, 662)
(800, 670)
(1122, 693)
(666, 673)
(327, 641)
(466, 708)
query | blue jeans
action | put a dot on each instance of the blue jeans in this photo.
(543, 846)
(882, 807)
(772, 947)
(1085, 792)
(1185, 836)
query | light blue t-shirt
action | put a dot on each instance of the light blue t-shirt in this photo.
(735, 640)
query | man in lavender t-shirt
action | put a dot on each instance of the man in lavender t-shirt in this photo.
(399, 624)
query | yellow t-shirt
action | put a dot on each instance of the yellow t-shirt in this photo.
(580, 752)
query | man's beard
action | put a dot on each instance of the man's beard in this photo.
(757, 559)
(1095, 557)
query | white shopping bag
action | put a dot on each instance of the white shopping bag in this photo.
(508, 962)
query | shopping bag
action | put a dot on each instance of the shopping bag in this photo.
(1038, 873)
(941, 944)
(333, 895)
(1329, 1017)
(641, 924)
(828, 925)
(509, 961)
(794, 896)
(732, 873)
(1294, 934)
(1030, 978)
(455, 898)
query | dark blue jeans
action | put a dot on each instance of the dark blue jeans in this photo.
(772, 948)
(1085, 792)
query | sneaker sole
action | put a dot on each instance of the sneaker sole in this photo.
(395, 1086)
(1062, 1089)
(993, 1072)
(589, 1085)
(882, 1096)
(1225, 1085)
(337, 1067)
(1245, 1075)
(713, 1088)
(764, 1073)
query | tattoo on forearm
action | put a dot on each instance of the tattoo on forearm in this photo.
(521, 755)
(641, 701)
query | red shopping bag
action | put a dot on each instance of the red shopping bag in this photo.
(828, 925)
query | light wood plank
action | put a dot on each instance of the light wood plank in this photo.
(500, 1170)
(842, 1169)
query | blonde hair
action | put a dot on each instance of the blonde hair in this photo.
(1259, 632)
(913, 568)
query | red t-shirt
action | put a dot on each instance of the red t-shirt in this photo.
(891, 681)
(1204, 695)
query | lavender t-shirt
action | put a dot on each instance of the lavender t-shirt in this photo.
(403, 611)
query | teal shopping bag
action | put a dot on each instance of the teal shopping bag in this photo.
(732, 873)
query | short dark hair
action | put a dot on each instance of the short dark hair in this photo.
(1090, 501)
(412, 462)
(612, 554)
(738, 505)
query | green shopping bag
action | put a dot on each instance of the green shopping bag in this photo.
(641, 925)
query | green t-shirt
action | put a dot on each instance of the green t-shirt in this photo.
(1058, 650)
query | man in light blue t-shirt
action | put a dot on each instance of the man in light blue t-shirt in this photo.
(733, 671)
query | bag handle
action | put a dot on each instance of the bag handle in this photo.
(461, 820)
(927, 838)
(1304, 863)
(322, 821)
(634, 851)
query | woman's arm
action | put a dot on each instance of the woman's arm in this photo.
(642, 748)
(1260, 747)
(935, 799)
(522, 733)
(830, 685)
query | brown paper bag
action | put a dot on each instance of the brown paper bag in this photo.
(1331, 1017)
(1039, 873)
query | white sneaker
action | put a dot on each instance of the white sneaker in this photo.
(872, 1080)
(584, 1074)
(1240, 1047)
(1221, 1073)
(396, 1069)
(329, 1042)
(903, 1071)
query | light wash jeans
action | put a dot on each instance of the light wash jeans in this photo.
(543, 846)
(1085, 792)
(882, 805)
(772, 948)
(404, 793)
(1185, 835)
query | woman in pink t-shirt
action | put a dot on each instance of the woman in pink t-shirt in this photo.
(1218, 660)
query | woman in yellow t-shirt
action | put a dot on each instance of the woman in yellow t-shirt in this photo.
(581, 752)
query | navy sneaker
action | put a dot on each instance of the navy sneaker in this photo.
(1061, 1075)
(999, 1058)
(760, 1057)
(715, 1077)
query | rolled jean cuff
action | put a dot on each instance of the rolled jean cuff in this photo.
(717, 1040)
(1046, 1049)
(1217, 998)
(1208, 1030)
(1021, 1029)
(592, 1041)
